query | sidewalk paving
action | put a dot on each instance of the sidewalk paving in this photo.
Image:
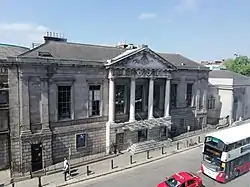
(100, 168)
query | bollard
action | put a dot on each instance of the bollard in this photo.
(187, 143)
(148, 157)
(178, 145)
(88, 171)
(112, 164)
(131, 159)
(39, 182)
(12, 182)
(199, 139)
(162, 151)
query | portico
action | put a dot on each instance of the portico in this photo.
(145, 79)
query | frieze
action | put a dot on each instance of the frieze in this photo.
(141, 73)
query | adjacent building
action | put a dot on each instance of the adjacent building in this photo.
(214, 65)
(5, 50)
(88, 97)
(228, 95)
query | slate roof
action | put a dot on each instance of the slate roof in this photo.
(11, 50)
(97, 53)
(226, 74)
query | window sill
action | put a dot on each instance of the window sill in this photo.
(65, 119)
(81, 148)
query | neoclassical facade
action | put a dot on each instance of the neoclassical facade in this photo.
(88, 97)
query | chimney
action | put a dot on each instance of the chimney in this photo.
(144, 46)
(56, 37)
(122, 45)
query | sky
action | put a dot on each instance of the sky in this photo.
(198, 29)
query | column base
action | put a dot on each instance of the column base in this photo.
(131, 120)
(167, 117)
(151, 117)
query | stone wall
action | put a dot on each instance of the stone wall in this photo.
(181, 118)
(65, 138)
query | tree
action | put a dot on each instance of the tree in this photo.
(239, 64)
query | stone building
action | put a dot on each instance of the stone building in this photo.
(5, 50)
(87, 97)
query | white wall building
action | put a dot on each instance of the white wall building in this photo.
(228, 96)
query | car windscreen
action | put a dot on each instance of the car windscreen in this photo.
(172, 182)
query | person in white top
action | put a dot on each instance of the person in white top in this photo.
(65, 168)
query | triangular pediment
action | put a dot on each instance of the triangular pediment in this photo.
(140, 59)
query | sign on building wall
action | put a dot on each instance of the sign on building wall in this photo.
(81, 140)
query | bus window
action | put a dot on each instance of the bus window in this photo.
(214, 142)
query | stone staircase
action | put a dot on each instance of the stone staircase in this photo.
(147, 146)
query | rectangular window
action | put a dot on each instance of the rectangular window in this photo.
(64, 102)
(4, 115)
(211, 102)
(4, 85)
(139, 98)
(120, 99)
(189, 94)
(81, 140)
(94, 100)
(173, 95)
(4, 97)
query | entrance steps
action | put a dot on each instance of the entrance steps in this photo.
(147, 146)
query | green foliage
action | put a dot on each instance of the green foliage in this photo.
(239, 64)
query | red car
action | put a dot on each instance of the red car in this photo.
(182, 179)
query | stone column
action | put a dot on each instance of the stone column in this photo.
(151, 98)
(205, 99)
(111, 100)
(167, 98)
(132, 100)
(44, 104)
(111, 118)
(194, 93)
(24, 104)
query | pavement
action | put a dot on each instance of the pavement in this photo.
(151, 174)
(103, 168)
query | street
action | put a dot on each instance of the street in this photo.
(151, 174)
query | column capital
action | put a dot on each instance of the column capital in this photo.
(111, 74)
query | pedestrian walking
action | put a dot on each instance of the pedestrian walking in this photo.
(65, 168)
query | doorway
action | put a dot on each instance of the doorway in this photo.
(142, 135)
(120, 141)
(36, 157)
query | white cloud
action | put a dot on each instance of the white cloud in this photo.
(185, 5)
(147, 16)
(22, 33)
